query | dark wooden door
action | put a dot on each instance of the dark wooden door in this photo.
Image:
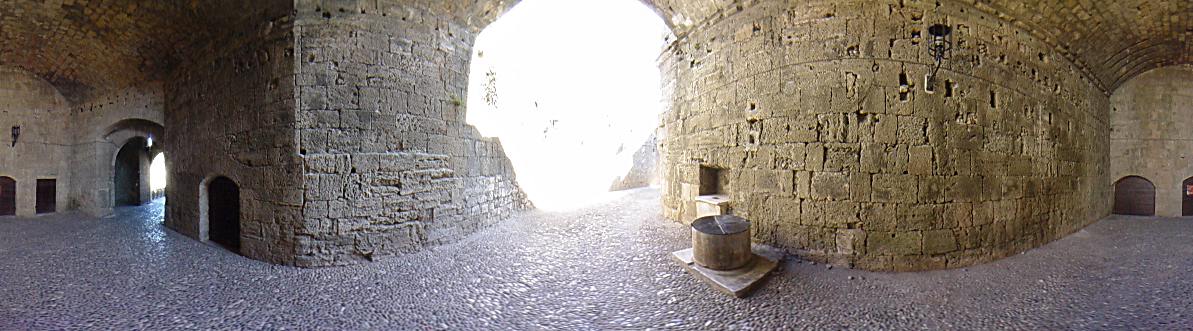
(1134, 196)
(8, 196)
(1187, 192)
(47, 196)
(223, 213)
(127, 185)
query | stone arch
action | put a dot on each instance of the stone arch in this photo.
(129, 128)
(220, 212)
(1187, 197)
(1134, 195)
(8, 196)
(136, 140)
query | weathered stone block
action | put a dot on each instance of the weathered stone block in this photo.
(894, 243)
(939, 242)
(893, 188)
(830, 186)
(919, 160)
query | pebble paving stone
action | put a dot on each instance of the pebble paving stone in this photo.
(601, 267)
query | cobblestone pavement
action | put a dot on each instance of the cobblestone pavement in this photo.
(602, 267)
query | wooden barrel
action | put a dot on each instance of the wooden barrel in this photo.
(721, 242)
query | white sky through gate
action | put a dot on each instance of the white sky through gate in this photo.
(157, 172)
(577, 86)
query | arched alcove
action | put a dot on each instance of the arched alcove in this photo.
(1134, 195)
(222, 205)
(8, 196)
(131, 178)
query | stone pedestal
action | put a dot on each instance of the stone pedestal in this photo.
(721, 242)
(722, 256)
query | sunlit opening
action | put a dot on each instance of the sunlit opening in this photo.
(157, 174)
(571, 88)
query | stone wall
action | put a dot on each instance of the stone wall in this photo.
(390, 164)
(818, 116)
(102, 126)
(230, 111)
(71, 143)
(43, 149)
(644, 171)
(1152, 133)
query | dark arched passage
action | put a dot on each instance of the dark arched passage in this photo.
(8, 196)
(1134, 195)
(223, 212)
(130, 176)
(1187, 197)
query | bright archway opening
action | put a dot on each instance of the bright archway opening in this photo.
(157, 176)
(571, 95)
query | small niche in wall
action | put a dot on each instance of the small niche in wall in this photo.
(711, 181)
(948, 88)
(993, 100)
(904, 87)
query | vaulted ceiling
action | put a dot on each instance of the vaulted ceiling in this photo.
(87, 46)
(1115, 40)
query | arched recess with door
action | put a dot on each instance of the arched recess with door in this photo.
(8, 196)
(135, 142)
(1134, 195)
(220, 212)
(130, 180)
(1187, 197)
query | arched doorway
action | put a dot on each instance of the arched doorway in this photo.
(223, 213)
(157, 176)
(129, 179)
(1187, 197)
(1134, 195)
(8, 196)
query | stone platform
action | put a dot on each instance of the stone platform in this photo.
(738, 282)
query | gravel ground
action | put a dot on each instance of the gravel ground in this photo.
(602, 267)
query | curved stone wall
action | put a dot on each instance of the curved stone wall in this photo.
(230, 112)
(1152, 133)
(818, 118)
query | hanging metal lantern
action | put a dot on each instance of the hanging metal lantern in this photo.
(939, 46)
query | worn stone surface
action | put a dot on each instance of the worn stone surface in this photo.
(74, 144)
(232, 113)
(603, 267)
(645, 170)
(90, 49)
(1150, 133)
(102, 126)
(390, 165)
(342, 121)
(1008, 124)
(44, 146)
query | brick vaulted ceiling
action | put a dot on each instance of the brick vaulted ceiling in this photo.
(1115, 39)
(85, 47)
